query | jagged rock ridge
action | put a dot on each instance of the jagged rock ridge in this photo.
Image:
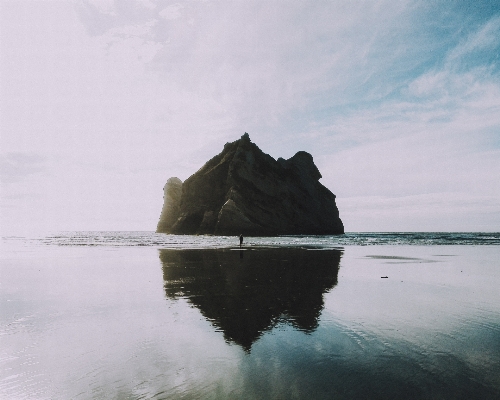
(242, 190)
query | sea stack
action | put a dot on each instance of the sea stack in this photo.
(242, 190)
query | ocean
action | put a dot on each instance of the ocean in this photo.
(139, 315)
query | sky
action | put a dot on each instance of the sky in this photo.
(101, 101)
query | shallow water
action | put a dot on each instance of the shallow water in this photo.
(295, 317)
(151, 239)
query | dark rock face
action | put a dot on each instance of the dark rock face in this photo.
(171, 204)
(242, 190)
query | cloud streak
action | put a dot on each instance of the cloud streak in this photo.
(16, 167)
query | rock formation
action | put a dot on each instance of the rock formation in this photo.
(242, 190)
(171, 204)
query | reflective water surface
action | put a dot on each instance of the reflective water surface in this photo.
(245, 293)
(263, 322)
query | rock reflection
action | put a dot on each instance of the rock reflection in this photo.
(246, 292)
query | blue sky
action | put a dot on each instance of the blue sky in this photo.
(103, 101)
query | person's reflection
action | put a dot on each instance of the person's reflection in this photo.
(247, 296)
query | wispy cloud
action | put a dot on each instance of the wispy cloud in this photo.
(16, 167)
(481, 46)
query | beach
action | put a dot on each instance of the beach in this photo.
(92, 317)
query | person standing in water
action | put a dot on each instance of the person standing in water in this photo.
(241, 240)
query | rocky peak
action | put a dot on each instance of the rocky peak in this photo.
(245, 138)
(303, 163)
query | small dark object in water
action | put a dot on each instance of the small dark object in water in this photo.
(384, 277)
(241, 240)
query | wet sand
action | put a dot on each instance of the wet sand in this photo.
(139, 323)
